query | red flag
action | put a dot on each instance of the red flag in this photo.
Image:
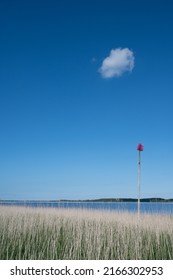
(140, 147)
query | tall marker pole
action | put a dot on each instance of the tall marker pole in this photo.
(139, 182)
(140, 148)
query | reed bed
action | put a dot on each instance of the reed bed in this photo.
(78, 234)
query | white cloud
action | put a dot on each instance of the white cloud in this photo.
(119, 61)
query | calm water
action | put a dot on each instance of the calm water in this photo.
(148, 207)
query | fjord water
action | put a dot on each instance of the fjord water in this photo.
(146, 207)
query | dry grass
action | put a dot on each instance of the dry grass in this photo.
(71, 234)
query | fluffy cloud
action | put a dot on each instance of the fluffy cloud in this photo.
(119, 61)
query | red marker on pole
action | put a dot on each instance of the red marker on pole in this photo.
(140, 148)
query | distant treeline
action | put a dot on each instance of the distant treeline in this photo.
(152, 199)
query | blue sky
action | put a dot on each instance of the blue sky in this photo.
(81, 84)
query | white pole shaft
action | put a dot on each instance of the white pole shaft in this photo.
(139, 182)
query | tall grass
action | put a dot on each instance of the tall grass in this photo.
(76, 234)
